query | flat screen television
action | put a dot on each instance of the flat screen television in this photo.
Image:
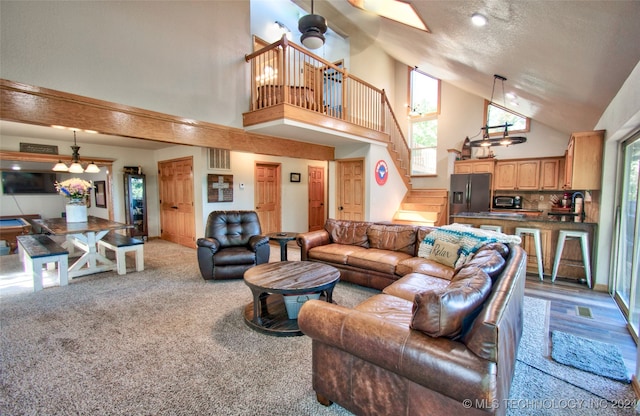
(18, 182)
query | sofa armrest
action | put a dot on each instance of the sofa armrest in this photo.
(260, 245)
(256, 241)
(307, 241)
(440, 364)
(210, 243)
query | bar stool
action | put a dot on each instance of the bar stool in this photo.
(538, 245)
(495, 228)
(584, 245)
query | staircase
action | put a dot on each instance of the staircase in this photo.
(424, 207)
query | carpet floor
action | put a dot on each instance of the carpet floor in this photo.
(166, 342)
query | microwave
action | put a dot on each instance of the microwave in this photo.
(507, 202)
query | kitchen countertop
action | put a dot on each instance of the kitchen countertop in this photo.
(521, 216)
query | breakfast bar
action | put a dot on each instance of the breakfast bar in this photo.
(570, 266)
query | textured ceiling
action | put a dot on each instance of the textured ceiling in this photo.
(565, 60)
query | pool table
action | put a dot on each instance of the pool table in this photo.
(10, 227)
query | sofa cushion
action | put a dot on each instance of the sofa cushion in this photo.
(334, 253)
(445, 253)
(348, 232)
(424, 266)
(391, 309)
(383, 261)
(408, 286)
(490, 261)
(442, 313)
(393, 237)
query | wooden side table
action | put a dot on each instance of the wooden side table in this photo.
(282, 238)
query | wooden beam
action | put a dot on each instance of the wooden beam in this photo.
(29, 104)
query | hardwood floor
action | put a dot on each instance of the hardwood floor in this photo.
(570, 302)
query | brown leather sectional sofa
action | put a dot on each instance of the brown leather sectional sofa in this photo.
(437, 340)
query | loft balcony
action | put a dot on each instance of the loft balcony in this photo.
(298, 95)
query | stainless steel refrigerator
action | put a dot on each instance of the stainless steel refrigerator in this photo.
(470, 193)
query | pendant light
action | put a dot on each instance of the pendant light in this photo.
(505, 140)
(75, 166)
(312, 27)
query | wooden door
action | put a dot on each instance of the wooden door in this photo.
(316, 198)
(175, 181)
(267, 196)
(350, 190)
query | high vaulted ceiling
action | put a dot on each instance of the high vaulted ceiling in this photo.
(564, 60)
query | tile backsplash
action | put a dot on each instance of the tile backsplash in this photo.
(543, 201)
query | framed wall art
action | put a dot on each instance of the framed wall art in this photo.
(220, 188)
(100, 194)
(294, 177)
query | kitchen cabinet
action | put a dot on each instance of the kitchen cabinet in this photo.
(583, 161)
(513, 175)
(550, 174)
(474, 166)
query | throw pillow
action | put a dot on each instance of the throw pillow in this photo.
(443, 312)
(445, 253)
(470, 240)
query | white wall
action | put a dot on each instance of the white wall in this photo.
(461, 115)
(295, 195)
(382, 200)
(621, 120)
(173, 57)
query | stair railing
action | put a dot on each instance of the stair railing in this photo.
(286, 73)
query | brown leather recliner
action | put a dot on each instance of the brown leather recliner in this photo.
(232, 244)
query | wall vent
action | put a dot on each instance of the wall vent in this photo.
(219, 159)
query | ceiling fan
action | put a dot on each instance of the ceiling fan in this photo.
(312, 27)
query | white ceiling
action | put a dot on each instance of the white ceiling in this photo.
(565, 60)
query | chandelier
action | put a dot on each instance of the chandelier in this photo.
(506, 139)
(75, 166)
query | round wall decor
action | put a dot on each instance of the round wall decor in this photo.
(382, 172)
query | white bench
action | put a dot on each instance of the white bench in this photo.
(37, 250)
(122, 244)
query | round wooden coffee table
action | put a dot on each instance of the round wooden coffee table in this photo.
(270, 281)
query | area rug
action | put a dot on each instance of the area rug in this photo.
(166, 342)
(589, 355)
(542, 386)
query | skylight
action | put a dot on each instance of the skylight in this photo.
(396, 10)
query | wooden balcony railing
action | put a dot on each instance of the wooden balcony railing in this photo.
(285, 73)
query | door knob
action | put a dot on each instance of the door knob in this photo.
(340, 208)
(174, 207)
